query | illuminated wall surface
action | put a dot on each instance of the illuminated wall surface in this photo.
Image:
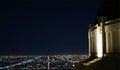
(103, 39)
(99, 43)
(112, 38)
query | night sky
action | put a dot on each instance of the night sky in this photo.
(46, 26)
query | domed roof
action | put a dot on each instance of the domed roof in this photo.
(110, 9)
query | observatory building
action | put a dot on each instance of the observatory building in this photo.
(104, 39)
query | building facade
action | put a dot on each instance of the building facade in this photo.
(104, 39)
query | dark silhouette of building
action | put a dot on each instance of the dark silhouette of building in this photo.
(110, 9)
(104, 39)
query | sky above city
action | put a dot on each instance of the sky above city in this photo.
(46, 26)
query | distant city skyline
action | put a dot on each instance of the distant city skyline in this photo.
(40, 62)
